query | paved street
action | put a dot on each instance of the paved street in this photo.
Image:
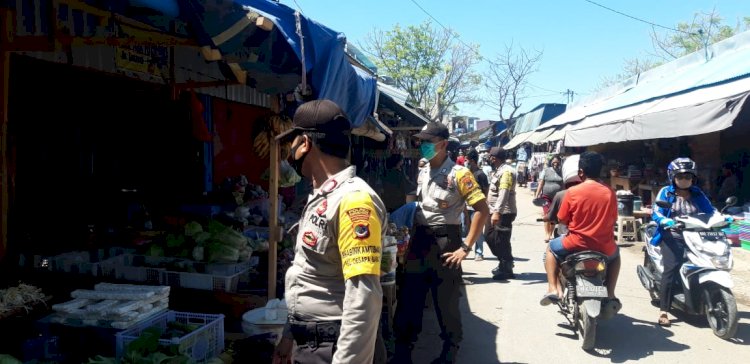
(503, 321)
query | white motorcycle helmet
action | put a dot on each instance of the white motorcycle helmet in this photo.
(570, 169)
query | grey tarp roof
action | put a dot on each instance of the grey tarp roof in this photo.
(517, 140)
(688, 96)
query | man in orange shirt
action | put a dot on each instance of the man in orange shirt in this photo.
(590, 212)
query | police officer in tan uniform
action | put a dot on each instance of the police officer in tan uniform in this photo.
(333, 288)
(502, 203)
(433, 261)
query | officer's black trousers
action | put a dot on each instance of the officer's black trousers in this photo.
(424, 272)
(320, 354)
(498, 238)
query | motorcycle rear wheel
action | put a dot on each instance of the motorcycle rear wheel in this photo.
(587, 329)
(720, 308)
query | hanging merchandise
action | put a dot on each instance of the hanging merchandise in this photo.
(268, 128)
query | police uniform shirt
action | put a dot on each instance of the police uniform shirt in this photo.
(337, 255)
(443, 193)
(502, 195)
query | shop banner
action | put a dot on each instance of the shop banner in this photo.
(148, 60)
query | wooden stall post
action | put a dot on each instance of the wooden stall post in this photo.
(273, 221)
(4, 178)
(5, 38)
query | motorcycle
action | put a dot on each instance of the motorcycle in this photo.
(521, 175)
(583, 278)
(705, 284)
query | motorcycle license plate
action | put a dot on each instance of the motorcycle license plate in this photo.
(712, 235)
(587, 289)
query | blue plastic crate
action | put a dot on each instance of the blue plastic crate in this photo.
(201, 345)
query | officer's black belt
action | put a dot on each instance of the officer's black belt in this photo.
(313, 333)
(439, 230)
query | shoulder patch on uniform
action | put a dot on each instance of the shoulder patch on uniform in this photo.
(362, 231)
(467, 183)
(358, 214)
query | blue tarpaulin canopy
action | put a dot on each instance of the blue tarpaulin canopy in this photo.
(229, 27)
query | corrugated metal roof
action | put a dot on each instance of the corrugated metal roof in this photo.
(727, 62)
(538, 116)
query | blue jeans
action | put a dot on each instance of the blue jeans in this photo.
(557, 249)
(479, 245)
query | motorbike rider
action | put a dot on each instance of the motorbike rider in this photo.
(570, 179)
(686, 198)
(590, 211)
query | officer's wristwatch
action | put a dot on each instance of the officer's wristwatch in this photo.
(465, 248)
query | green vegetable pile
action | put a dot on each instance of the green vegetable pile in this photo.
(146, 349)
(217, 244)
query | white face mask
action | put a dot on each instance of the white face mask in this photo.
(683, 183)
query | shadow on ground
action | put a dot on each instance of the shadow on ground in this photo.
(475, 348)
(624, 338)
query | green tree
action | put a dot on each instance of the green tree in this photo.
(431, 65)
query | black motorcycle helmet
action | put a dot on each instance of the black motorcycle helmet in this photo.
(681, 165)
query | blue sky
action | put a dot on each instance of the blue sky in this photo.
(581, 42)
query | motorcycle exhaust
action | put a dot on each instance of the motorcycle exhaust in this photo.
(647, 280)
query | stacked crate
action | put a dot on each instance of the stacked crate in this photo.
(110, 305)
(744, 228)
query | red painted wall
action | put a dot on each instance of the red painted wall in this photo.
(233, 145)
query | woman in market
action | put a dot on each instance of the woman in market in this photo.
(550, 182)
(686, 198)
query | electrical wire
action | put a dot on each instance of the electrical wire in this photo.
(638, 19)
(455, 34)
(298, 7)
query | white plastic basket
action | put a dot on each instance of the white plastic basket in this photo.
(226, 283)
(200, 345)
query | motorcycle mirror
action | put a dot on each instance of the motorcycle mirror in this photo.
(663, 204)
(731, 201)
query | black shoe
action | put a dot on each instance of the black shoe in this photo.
(447, 355)
(502, 276)
(402, 355)
(496, 271)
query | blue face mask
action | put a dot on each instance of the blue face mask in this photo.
(428, 150)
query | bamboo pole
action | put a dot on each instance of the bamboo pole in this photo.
(273, 220)
(273, 223)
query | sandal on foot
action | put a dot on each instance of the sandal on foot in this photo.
(610, 308)
(548, 299)
(664, 320)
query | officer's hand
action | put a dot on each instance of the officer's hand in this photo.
(667, 222)
(495, 218)
(283, 352)
(453, 260)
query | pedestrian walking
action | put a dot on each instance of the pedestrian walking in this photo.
(502, 204)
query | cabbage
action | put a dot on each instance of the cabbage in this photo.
(202, 237)
(192, 228)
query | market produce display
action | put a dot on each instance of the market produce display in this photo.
(217, 244)
(22, 297)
